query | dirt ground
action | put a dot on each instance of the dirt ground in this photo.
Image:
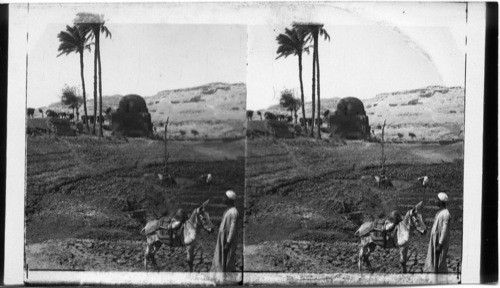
(306, 199)
(87, 199)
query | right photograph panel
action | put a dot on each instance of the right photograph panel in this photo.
(355, 136)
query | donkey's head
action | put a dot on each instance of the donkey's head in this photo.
(204, 218)
(416, 219)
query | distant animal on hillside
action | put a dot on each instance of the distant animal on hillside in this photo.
(249, 115)
(424, 180)
(31, 112)
(51, 113)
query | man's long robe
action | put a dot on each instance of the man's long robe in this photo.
(436, 262)
(224, 260)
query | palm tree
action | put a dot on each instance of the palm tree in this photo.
(292, 43)
(73, 40)
(312, 31)
(94, 25)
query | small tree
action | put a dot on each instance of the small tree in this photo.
(400, 136)
(70, 97)
(290, 103)
(260, 114)
(166, 155)
(194, 132)
(383, 157)
(412, 135)
(41, 111)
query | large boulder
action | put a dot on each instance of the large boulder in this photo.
(132, 117)
(350, 120)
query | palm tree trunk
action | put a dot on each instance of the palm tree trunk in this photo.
(84, 94)
(302, 93)
(313, 92)
(95, 85)
(98, 47)
(316, 52)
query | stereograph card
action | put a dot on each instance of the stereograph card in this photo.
(290, 143)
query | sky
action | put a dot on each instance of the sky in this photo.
(138, 59)
(372, 49)
(375, 47)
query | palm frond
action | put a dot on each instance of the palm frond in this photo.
(105, 30)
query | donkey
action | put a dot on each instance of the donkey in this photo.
(156, 238)
(404, 230)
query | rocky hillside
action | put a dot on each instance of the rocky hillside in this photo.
(212, 110)
(431, 113)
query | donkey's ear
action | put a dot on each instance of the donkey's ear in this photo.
(417, 207)
(205, 203)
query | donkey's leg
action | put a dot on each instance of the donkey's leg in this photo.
(156, 246)
(361, 256)
(190, 256)
(369, 249)
(403, 252)
(146, 256)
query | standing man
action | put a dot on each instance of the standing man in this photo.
(439, 242)
(226, 240)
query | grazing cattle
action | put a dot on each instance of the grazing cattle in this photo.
(269, 116)
(318, 122)
(51, 113)
(99, 119)
(307, 120)
(249, 115)
(424, 180)
(31, 112)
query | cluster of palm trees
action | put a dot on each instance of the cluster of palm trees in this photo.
(295, 41)
(76, 39)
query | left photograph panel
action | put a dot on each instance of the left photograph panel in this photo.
(135, 142)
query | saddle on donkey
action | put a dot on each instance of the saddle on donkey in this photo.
(171, 228)
(382, 230)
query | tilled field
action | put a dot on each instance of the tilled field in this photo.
(91, 220)
(306, 222)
